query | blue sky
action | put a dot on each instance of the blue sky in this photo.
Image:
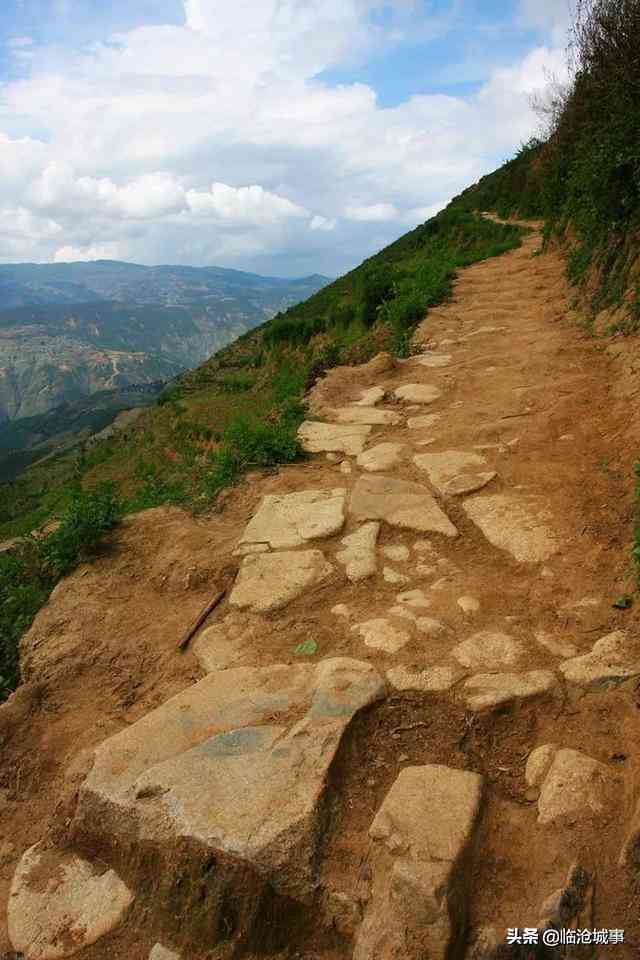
(283, 136)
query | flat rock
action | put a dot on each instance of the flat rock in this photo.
(292, 519)
(425, 421)
(414, 598)
(516, 524)
(447, 471)
(59, 904)
(367, 415)
(400, 503)
(538, 764)
(418, 393)
(228, 643)
(317, 437)
(384, 456)
(236, 768)
(370, 396)
(613, 659)
(394, 576)
(489, 649)
(436, 679)
(381, 634)
(269, 581)
(469, 604)
(420, 882)
(466, 483)
(491, 689)
(431, 627)
(559, 648)
(162, 953)
(434, 360)
(576, 787)
(359, 555)
(396, 552)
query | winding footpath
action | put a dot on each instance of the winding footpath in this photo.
(415, 725)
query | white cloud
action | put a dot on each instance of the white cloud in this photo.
(217, 141)
(373, 211)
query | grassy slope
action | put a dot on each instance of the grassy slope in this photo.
(242, 406)
(240, 409)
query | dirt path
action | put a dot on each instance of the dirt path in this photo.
(409, 626)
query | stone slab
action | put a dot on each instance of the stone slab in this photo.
(381, 634)
(434, 360)
(443, 468)
(518, 525)
(59, 904)
(269, 581)
(317, 437)
(422, 393)
(384, 456)
(236, 766)
(292, 519)
(399, 503)
(613, 659)
(419, 887)
(359, 555)
(433, 679)
(576, 787)
(370, 416)
(492, 689)
(425, 421)
(370, 396)
(489, 649)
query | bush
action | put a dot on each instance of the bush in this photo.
(85, 521)
(249, 442)
(28, 575)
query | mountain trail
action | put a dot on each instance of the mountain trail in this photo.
(413, 722)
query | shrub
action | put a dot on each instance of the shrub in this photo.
(29, 574)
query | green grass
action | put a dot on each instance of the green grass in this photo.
(28, 575)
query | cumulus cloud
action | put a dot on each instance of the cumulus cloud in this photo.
(217, 140)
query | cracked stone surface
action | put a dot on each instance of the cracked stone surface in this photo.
(400, 503)
(489, 649)
(613, 659)
(269, 581)
(359, 555)
(237, 763)
(516, 524)
(419, 887)
(491, 689)
(319, 437)
(59, 904)
(384, 456)
(422, 393)
(396, 552)
(290, 520)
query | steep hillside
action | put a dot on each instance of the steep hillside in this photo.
(68, 330)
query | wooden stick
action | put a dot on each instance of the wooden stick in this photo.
(202, 616)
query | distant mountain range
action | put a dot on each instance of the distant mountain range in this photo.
(68, 330)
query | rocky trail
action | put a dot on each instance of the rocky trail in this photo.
(413, 722)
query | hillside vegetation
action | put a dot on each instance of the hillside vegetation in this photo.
(239, 410)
